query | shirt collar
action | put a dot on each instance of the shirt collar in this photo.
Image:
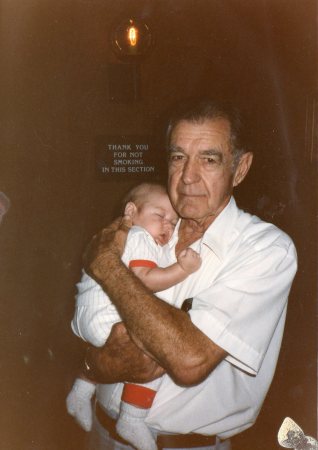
(217, 237)
(220, 233)
(174, 238)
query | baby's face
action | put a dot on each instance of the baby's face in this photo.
(157, 216)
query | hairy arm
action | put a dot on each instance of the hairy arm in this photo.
(165, 333)
(120, 360)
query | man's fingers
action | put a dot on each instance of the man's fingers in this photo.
(109, 242)
(119, 330)
(125, 223)
(113, 226)
(105, 232)
(120, 224)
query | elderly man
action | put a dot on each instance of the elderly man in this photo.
(218, 359)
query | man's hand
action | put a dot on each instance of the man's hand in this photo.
(108, 243)
(121, 360)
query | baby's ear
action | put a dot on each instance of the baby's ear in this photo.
(130, 210)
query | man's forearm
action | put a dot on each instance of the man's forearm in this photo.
(162, 331)
(119, 360)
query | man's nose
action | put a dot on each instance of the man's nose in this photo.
(190, 173)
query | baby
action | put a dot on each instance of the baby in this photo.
(148, 255)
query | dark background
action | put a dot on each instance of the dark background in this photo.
(55, 101)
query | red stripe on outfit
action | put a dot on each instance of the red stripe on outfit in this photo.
(142, 263)
(138, 395)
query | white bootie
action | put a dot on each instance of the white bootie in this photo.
(131, 426)
(79, 404)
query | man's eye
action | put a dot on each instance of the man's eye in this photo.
(176, 157)
(210, 161)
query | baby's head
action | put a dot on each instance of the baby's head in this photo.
(149, 207)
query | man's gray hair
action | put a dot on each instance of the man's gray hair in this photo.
(198, 111)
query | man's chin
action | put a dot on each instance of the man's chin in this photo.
(189, 212)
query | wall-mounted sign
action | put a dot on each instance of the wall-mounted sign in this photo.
(124, 155)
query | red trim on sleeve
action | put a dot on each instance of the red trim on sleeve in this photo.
(142, 263)
(138, 395)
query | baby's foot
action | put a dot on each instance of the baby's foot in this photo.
(131, 427)
(79, 405)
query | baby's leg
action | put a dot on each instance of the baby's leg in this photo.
(79, 404)
(136, 402)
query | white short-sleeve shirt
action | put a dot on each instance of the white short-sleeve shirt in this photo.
(95, 314)
(240, 298)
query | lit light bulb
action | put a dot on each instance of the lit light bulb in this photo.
(133, 36)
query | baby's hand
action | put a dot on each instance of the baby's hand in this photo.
(189, 260)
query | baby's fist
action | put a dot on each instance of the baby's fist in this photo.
(189, 260)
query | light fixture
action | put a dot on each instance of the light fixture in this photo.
(131, 39)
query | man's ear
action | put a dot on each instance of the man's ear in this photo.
(242, 168)
(130, 210)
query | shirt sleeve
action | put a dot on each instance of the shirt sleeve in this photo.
(141, 250)
(94, 313)
(242, 308)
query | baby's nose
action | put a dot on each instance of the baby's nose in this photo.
(168, 227)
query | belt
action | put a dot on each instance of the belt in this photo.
(190, 440)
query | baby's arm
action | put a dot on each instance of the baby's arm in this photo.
(158, 278)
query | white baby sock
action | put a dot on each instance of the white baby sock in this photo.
(79, 405)
(131, 427)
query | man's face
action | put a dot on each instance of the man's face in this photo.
(157, 216)
(201, 175)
